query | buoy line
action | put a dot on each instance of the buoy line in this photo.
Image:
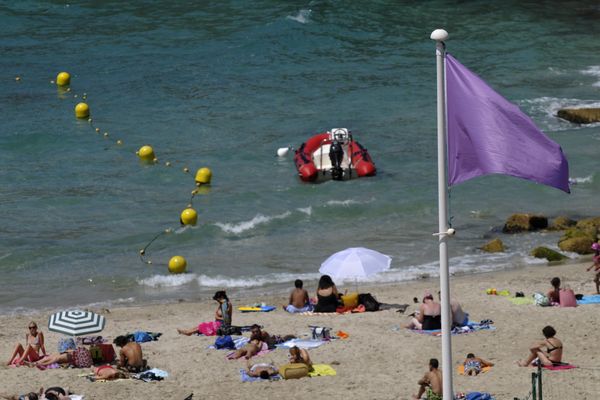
(146, 154)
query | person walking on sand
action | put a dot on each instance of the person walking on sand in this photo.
(299, 301)
(596, 266)
(34, 343)
(431, 383)
(548, 351)
(130, 355)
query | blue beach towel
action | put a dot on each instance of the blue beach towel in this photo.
(589, 299)
(247, 378)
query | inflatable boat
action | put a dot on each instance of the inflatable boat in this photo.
(333, 155)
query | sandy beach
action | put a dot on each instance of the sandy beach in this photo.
(377, 361)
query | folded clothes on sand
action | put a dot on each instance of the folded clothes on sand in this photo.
(247, 378)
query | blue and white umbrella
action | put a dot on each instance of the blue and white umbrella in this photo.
(76, 322)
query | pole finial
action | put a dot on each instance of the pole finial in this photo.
(439, 35)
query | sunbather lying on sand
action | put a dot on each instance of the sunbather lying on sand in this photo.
(65, 357)
(249, 350)
(107, 372)
(473, 365)
(262, 370)
(271, 340)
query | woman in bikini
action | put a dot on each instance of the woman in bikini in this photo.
(548, 351)
(34, 343)
(300, 356)
(223, 314)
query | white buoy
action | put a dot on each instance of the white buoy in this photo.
(282, 151)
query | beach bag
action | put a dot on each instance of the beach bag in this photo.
(224, 342)
(102, 353)
(567, 298)
(209, 328)
(65, 344)
(367, 300)
(478, 396)
(293, 371)
(82, 358)
(96, 353)
(541, 300)
(320, 332)
(350, 300)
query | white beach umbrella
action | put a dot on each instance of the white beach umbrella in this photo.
(76, 322)
(355, 262)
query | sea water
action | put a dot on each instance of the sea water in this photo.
(223, 85)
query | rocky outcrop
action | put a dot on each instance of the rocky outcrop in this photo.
(562, 223)
(493, 246)
(589, 223)
(580, 115)
(548, 254)
(524, 223)
(579, 239)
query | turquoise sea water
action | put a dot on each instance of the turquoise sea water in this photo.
(224, 85)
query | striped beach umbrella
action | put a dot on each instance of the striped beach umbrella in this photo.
(76, 322)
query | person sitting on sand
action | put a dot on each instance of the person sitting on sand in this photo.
(248, 351)
(554, 293)
(107, 372)
(431, 383)
(34, 343)
(327, 295)
(596, 266)
(223, 314)
(548, 351)
(429, 315)
(66, 357)
(459, 317)
(256, 333)
(300, 356)
(130, 355)
(473, 365)
(299, 301)
(262, 370)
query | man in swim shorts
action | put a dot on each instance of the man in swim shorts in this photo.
(431, 383)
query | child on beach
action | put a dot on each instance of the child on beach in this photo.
(299, 301)
(554, 293)
(596, 266)
(473, 365)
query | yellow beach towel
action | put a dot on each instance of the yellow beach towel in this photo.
(322, 370)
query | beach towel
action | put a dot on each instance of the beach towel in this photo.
(590, 299)
(247, 378)
(460, 330)
(322, 370)
(143, 336)
(460, 369)
(246, 309)
(519, 301)
(560, 367)
(301, 343)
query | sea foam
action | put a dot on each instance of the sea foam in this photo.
(303, 16)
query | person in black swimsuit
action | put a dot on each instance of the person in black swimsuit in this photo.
(548, 351)
(327, 295)
(429, 316)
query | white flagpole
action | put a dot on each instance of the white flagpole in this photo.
(440, 35)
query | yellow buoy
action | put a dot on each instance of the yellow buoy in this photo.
(146, 153)
(177, 265)
(203, 176)
(189, 216)
(82, 110)
(63, 79)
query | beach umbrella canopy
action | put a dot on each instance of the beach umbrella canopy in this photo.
(355, 262)
(76, 322)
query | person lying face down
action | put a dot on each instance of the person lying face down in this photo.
(474, 365)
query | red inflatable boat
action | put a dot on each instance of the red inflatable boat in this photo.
(333, 155)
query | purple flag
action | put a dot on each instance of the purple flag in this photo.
(489, 135)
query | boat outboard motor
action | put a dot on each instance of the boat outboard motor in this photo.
(336, 155)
